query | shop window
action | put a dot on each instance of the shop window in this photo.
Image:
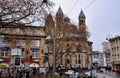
(16, 51)
(34, 54)
(31, 31)
(20, 42)
(37, 32)
(4, 53)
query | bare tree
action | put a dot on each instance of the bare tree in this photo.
(23, 11)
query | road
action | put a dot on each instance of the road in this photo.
(105, 74)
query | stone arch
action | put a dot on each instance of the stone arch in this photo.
(67, 60)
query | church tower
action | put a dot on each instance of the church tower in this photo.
(49, 23)
(59, 17)
(81, 18)
(82, 25)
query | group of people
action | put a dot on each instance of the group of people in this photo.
(11, 73)
(6, 72)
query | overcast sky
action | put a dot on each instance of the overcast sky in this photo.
(102, 17)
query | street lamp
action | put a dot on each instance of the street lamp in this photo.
(54, 52)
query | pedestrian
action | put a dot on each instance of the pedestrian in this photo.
(21, 74)
(9, 75)
(60, 73)
(24, 75)
(27, 73)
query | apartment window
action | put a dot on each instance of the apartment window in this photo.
(37, 32)
(31, 32)
(34, 54)
(117, 48)
(17, 31)
(118, 55)
(113, 49)
(20, 42)
(4, 53)
(35, 43)
(95, 56)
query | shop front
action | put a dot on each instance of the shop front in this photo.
(4, 68)
(116, 66)
(34, 67)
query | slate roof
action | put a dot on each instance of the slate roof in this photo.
(81, 14)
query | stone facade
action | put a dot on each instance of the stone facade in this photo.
(72, 45)
(115, 52)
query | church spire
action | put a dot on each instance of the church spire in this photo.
(81, 15)
(59, 17)
(59, 11)
(81, 18)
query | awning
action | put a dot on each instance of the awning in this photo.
(4, 65)
(4, 48)
(34, 65)
(35, 48)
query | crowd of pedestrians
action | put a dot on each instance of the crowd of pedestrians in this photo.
(18, 72)
(6, 72)
(13, 73)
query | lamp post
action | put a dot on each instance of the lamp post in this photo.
(54, 52)
(91, 65)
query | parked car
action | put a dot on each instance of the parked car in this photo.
(69, 72)
(87, 74)
(101, 69)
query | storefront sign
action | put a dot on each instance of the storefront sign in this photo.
(4, 48)
(6, 59)
(29, 60)
(26, 60)
(35, 48)
(34, 65)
